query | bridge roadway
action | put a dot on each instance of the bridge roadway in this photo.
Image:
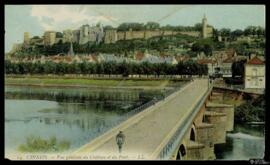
(149, 131)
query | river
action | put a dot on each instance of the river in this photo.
(76, 115)
(244, 143)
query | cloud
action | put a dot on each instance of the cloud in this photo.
(60, 17)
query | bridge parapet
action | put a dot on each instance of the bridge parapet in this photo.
(173, 143)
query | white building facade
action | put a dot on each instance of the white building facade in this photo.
(255, 74)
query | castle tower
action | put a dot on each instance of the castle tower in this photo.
(84, 34)
(204, 27)
(26, 38)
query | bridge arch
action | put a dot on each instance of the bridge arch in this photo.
(181, 152)
(192, 134)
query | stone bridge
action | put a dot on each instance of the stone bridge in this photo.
(186, 125)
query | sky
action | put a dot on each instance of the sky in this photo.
(35, 19)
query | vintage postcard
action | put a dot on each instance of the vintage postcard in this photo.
(135, 82)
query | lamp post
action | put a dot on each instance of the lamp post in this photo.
(120, 139)
(208, 82)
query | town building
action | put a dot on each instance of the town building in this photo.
(211, 65)
(112, 58)
(226, 67)
(151, 59)
(168, 59)
(255, 74)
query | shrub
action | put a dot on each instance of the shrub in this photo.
(37, 144)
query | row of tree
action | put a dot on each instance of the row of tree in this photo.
(152, 26)
(250, 30)
(186, 68)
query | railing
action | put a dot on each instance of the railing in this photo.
(170, 147)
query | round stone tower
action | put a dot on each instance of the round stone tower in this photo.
(26, 38)
(204, 27)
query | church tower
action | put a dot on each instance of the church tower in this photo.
(71, 52)
(204, 27)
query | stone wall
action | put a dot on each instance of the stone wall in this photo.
(120, 36)
(192, 33)
(110, 37)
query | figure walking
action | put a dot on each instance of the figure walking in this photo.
(120, 139)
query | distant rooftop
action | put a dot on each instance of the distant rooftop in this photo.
(255, 61)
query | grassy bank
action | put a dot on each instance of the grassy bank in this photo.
(84, 82)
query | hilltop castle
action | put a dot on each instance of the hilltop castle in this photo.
(96, 34)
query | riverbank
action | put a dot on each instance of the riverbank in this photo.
(83, 82)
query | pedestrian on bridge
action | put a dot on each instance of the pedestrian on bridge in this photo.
(120, 139)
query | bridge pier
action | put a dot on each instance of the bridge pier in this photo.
(205, 133)
(223, 108)
(195, 151)
(216, 96)
(219, 125)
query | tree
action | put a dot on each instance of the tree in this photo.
(225, 32)
(207, 49)
(100, 68)
(108, 27)
(60, 68)
(152, 25)
(250, 30)
(237, 33)
(260, 31)
(197, 47)
(133, 26)
(198, 26)
(180, 68)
